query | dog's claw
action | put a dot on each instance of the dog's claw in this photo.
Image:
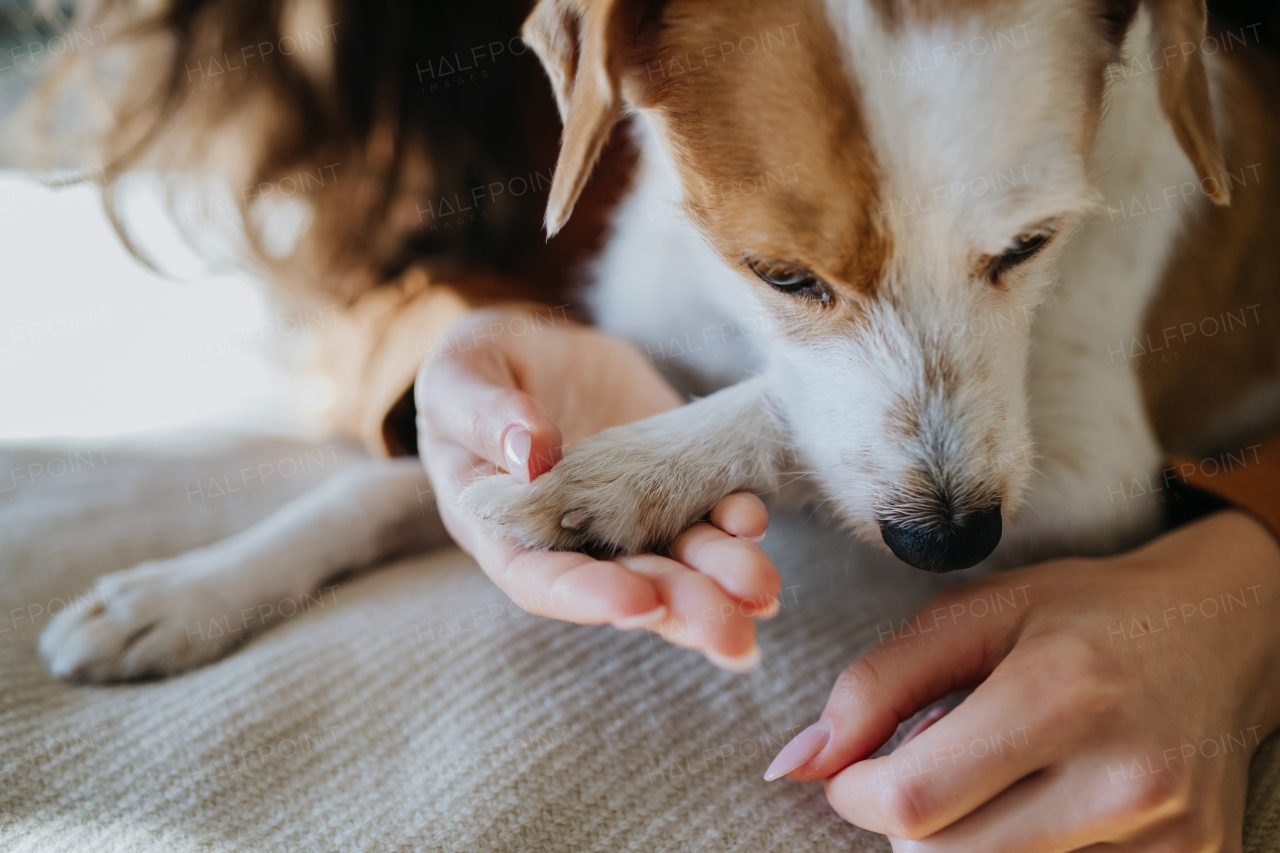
(575, 519)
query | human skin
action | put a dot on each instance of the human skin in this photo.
(1072, 689)
(511, 404)
(1126, 696)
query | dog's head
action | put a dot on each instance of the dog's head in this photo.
(893, 178)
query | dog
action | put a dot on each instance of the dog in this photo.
(941, 267)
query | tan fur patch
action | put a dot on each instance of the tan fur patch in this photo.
(940, 374)
(902, 420)
(769, 138)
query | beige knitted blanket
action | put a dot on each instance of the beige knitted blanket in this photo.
(415, 708)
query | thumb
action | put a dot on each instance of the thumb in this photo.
(488, 415)
(898, 677)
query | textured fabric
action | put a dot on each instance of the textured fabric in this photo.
(417, 709)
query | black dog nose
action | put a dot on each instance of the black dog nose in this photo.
(956, 545)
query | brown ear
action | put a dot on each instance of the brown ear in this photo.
(1178, 27)
(581, 44)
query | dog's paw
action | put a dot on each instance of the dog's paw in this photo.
(603, 496)
(146, 621)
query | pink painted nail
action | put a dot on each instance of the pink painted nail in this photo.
(800, 751)
(744, 662)
(925, 722)
(516, 446)
(641, 620)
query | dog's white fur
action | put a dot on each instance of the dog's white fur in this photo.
(152, 619)
(1066, 426)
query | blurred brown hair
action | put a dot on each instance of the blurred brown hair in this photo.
(362, 106)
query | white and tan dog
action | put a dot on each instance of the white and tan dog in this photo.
(940, 262)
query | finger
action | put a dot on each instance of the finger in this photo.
(925, 724)
(741, 514)
(1057, 810)
(450, 468)
(476, 403)
(897, 678)
(739, 567)
(558, 585)
(700, 615)
(565, 585)
(971, 755)
(575, 587)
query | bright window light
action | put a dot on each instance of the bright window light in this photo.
(92, 343)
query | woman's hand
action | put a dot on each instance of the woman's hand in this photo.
(1118, 703)
(502, 401)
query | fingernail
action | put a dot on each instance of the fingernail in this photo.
(925, 722)
(801, 750)
(759, 538)
(641, 620)
(745, 662)
(516, 447)
(771, 609)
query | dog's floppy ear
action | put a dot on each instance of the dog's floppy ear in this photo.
(1178, 27)
(581, 45)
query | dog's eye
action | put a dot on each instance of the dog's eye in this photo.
(1025, 247)
(789, 279)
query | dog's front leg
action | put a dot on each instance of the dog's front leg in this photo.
(164, 616)
(634, 488)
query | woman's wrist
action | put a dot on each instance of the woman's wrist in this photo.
(1242, 553)
(1264, 560)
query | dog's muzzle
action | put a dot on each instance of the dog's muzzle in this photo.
(946, 547)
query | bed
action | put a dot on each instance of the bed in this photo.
(414, 708)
